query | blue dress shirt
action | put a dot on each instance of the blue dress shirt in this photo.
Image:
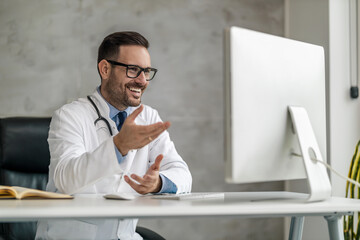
(167, 185)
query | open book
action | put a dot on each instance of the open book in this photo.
(21, 192)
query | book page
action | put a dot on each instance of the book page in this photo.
(7, 192)
(29, 192)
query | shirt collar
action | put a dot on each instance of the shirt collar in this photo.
(113, 110)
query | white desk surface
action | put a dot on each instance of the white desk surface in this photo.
(95, 206)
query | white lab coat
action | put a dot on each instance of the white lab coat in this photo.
(83, 160)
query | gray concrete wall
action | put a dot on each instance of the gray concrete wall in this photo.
(48, 57)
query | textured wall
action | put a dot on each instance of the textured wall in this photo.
(48, 57)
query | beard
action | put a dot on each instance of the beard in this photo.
(118, 95)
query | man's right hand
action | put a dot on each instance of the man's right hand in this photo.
(132, 136)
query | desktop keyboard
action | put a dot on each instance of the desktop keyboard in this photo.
(189, 196)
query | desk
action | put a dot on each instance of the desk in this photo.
(95, 206)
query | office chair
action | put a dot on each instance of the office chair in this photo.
(24, 161)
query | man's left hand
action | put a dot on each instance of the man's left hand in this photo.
(150, 182)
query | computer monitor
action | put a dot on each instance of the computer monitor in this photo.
(264, 76)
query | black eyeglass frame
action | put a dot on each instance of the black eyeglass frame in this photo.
(127, 69)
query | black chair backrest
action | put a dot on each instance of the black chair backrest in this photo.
(24, 161)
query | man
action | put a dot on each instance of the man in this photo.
(109, 142)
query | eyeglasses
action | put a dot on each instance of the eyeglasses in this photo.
(133, 71)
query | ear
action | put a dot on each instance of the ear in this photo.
(104, 69)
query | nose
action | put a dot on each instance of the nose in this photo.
(141, 79)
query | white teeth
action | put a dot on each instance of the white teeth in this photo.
(135, 90)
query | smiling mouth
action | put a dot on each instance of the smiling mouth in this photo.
(136, 90)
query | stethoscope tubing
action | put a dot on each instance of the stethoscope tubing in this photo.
(100, 118)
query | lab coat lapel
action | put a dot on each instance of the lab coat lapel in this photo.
(139, 120)
(101, 126)
(102, 129)
(101, 104)
(127, 164)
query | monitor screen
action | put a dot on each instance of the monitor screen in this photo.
(264, 74)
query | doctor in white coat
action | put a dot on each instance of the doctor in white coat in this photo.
(109, 155)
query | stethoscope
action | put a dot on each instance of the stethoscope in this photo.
(100, 118)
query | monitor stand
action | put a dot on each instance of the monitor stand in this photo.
(318, 180)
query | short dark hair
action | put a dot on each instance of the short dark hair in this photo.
(109, 48)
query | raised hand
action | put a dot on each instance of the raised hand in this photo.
(132, 136)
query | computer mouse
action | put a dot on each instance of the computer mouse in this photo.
(120, 196)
